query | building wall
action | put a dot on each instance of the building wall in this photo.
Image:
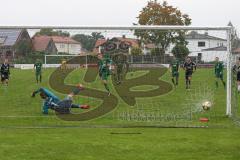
(193, 45)
(69, 48)
(51, 48)
(209, 56)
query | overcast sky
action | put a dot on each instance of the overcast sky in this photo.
(111, 12)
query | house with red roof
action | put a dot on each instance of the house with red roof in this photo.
(67, 45)
(42, 43)
(117, 43)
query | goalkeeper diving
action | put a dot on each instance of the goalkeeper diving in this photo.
(51, 101)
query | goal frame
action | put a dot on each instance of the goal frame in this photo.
(227, 29)
(63, 55)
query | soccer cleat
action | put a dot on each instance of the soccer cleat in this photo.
(84, 106)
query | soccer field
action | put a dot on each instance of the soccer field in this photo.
(119, 134)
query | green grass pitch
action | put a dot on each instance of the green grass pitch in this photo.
(27, 134)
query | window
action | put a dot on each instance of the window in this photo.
(62, 46)
(72, 46)
(220, 44)
(199, 57)
(201, 44)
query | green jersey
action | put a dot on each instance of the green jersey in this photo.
(103, 65)
(219, 68)
(175, 66)
(38, 67)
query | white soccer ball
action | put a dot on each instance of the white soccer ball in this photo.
(206, 105)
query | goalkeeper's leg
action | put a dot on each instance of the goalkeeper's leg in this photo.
(75, 92)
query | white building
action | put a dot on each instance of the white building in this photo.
(204, 46)
(67, 45)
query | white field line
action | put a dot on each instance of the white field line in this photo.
(25, 116)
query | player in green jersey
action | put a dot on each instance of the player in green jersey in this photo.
(38, 71)
(218, 69)
(104, 66)
(174, 67)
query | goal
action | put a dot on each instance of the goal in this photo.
(140, 80)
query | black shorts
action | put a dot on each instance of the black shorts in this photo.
(188, 74)
(238, 76)
(4, 77)
(64, 107)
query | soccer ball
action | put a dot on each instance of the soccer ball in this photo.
(206, 105)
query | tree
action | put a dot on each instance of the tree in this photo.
(180, 51)
(97, 35)
(51, 32)
(88, 41)
(136, 51)
(156, 13)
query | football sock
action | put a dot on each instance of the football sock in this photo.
(216, 84)
(106, 87)
(173, 81)
(75, 106)
(224, 84)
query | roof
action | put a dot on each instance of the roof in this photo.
(60, 39)
(220, 48)
(9, 36)
(40, 43)
(196, 35)
(133, 42)
(100, 42)
(150, 46)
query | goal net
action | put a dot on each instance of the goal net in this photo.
(176, 76)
